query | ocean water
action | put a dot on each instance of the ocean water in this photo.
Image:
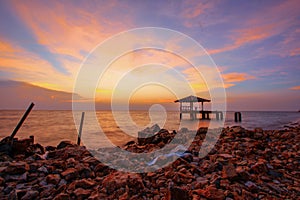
(51, 127)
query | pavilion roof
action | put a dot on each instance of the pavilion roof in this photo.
(192, 98)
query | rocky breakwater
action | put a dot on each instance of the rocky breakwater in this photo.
(244, 164)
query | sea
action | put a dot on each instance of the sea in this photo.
(49, 127)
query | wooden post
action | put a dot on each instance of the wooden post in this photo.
(203, 115)
(237, 117)
(80, 129)
(202, 105)
(21, 122)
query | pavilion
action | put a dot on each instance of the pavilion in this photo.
(187, 106)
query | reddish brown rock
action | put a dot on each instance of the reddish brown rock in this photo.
(229, 171)
(30, 194)
(70, 173)
(53, 179)
(259, 167)
(176, 193)
(119, 180)
(82, 193)
(84, 183)
(211, 193)
(62, 196)
(16, 168)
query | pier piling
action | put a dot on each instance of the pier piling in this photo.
(13, 134)
(237, 117)
(80, 129)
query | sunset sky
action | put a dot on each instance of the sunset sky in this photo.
(255, 44)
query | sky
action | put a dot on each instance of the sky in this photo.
(254, 44)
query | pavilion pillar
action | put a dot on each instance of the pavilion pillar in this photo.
(191, 110)
(202, 105)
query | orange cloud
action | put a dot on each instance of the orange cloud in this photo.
(6, 48)
(295, 87)
(29, 67)
(295, 52)
(236, 77)
(69, 30)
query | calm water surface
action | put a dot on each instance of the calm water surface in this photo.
(51, 127)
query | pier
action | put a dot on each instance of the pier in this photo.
(188, 105)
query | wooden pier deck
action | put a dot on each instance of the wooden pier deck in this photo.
(203, 114)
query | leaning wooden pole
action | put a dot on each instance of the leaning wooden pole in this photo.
(21, 122)
(80, 129)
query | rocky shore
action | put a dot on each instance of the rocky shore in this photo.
(244, 164)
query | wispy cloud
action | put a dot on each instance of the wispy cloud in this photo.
(263, 25)
(236, 77)
(295, 87)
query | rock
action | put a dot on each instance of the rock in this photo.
(2, 181)
(43, 169)
(117, 180)
(82, 193)
(64, 144)
(53, 179)
(201, 182)
(238, 129)
(17, 178)
(251, 186)
(224, 155)
(20, 146)
(176, 193)
(70, 173)
(30, 194)
(211, 193)
(5, 148)
(229, 171)
(86, 172)
(146, 136)
(259, 167)
(84, 183)
(50, 148)
(34, 149)
(62, 196)
(17, 168)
